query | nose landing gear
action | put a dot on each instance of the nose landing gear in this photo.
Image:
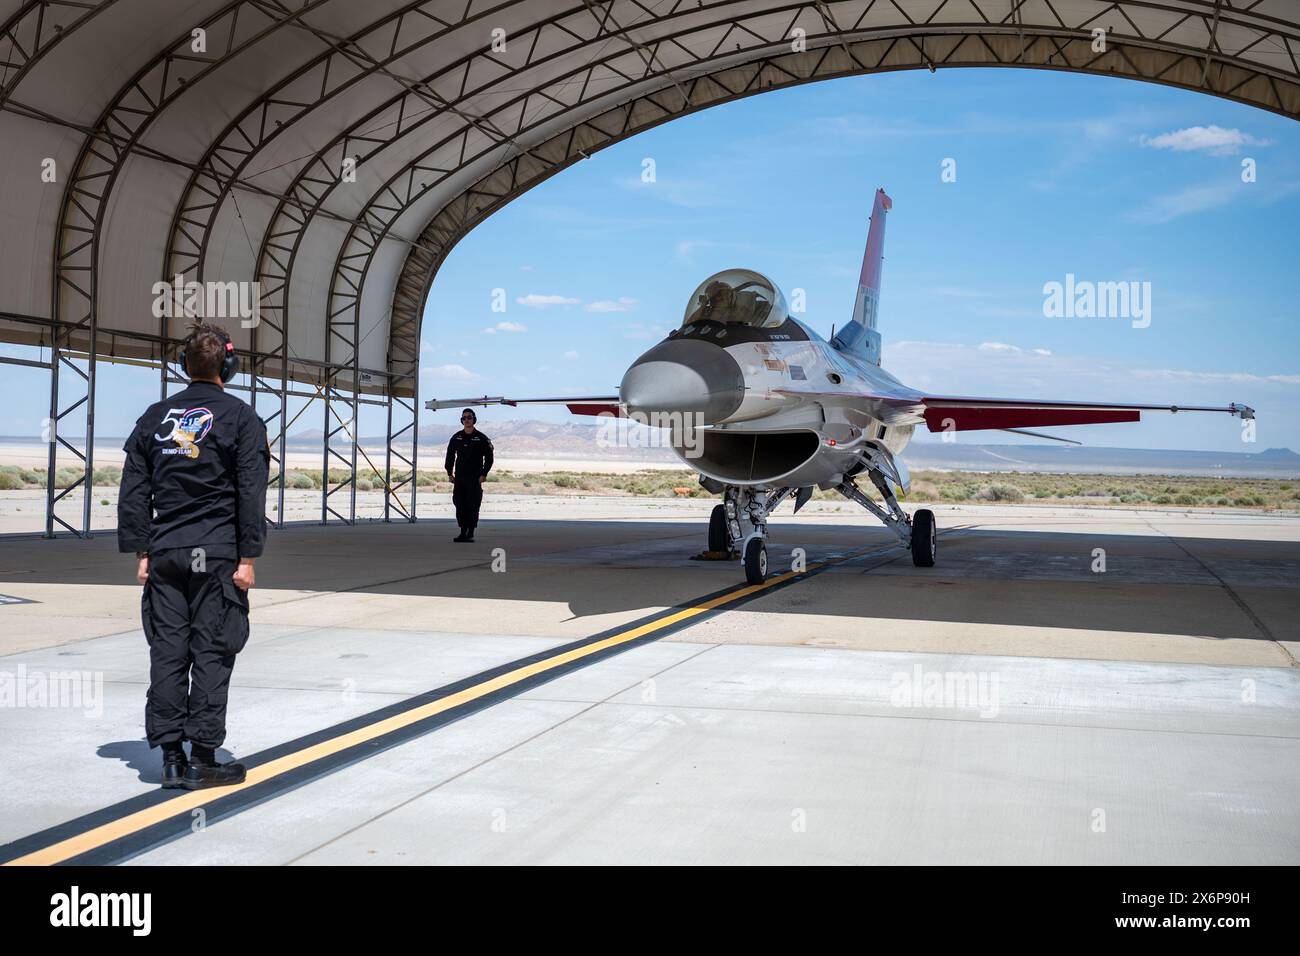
(755, 561)
(739, 525)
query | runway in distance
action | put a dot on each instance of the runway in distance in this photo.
(764, 409)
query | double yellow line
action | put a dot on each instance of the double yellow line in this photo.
(132, 823)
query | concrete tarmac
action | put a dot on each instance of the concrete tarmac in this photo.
(1016, 703)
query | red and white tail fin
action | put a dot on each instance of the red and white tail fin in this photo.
(860, 336)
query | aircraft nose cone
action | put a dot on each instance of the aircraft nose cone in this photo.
(684, 376)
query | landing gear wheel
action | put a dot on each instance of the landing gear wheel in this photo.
(923, 538)
(718, 539)
(755, 561)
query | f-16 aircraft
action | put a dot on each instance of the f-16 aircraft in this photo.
(765, 409)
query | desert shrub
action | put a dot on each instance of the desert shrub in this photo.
(999, 492)
(363, 484)
(108, 475)
(66, 477)
(10, 481)
(34, 476)
(1185, 499)
(923, 491)
(1162, 500)
(425, 480)
(301, 481)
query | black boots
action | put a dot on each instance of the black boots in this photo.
(466, 536)
(204, 771)
(174, 766)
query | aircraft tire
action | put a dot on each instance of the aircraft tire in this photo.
(923, 538)
(718, 540)
(755, 561)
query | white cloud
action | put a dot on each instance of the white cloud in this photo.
(1011, 349)
(687, 193)
(450, 373)
(1186, 201)
(1214, 139)
(684, 251)
(535, 301)
(621, 304)
(572, 355)
(505, 327)
(635, 330)
(1184, 375)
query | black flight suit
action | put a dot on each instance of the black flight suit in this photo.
(469, 457)
(195, 478)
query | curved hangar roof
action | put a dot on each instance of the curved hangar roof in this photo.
(334, 151)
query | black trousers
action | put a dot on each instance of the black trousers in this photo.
(196, 621)
(467, 496)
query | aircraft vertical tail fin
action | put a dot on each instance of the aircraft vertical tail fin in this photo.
(859, 336)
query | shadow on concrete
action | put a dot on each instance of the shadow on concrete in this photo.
(985, 575)
(145, 761)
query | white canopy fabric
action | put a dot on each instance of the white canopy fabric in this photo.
(333, 151)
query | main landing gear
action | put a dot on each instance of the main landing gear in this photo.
(917, 533)
(739, 524)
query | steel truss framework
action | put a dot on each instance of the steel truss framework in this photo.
(508, 94)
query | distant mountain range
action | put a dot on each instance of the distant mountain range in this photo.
(583, 441)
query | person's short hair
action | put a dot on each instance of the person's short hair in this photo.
(472, 414)
(205, 349)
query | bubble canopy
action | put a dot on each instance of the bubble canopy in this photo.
(738, 297)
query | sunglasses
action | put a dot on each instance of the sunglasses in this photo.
(466, 418)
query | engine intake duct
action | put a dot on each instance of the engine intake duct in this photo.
(755, 456)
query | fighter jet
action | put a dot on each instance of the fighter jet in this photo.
(764, 409)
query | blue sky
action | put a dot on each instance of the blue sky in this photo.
(1056, 173)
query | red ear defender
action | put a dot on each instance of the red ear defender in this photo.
(229, 364)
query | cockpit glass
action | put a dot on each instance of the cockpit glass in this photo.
(737, 296)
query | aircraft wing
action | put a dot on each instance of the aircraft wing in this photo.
(586, 405)
(957, 413)
(943, 413)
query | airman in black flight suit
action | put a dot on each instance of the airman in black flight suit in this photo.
(192, 507)
(469, 459)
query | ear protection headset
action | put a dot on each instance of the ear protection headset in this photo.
(229, 361)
